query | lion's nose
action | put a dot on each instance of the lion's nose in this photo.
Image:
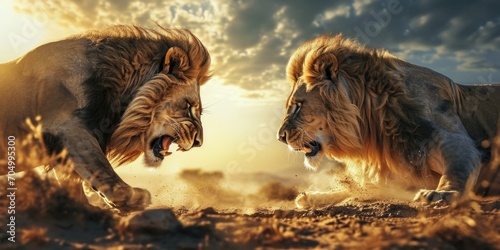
(197, 143)
(198, 140)
(282, 136)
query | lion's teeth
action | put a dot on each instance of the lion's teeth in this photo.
(165, 152)
(307, 150)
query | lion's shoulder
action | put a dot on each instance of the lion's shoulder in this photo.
(61, 59)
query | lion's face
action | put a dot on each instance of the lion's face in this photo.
(321, 118)
(176, 120)
(165, 110)
(304, 127)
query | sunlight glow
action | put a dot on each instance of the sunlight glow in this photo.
(19, 33)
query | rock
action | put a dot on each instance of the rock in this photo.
(151, 222)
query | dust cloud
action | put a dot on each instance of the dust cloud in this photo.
(247, 192)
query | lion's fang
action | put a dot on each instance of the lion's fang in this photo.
(165, 152)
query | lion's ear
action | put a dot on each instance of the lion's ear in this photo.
(329, 65)
(323, 67)
(176, 62)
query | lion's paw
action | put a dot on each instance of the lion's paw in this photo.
(435, 196)
(125, 199)
(129, 199)
(94, 198)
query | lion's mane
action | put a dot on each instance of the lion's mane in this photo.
(371, 120)
(127, 95)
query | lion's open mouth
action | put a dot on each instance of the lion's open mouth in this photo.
(312, 148)
(161, 146)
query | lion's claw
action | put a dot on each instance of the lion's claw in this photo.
(435, 196)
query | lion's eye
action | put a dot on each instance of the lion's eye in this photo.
(298, 106)
(189, 110)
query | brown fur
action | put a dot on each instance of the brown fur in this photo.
(128, 139)
(388, 121)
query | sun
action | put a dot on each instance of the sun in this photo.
(18, 32)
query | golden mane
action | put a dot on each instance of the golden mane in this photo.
(150, 41)
(376, 116)
(126, 142)
(124, 90)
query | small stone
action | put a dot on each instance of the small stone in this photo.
(152, 221)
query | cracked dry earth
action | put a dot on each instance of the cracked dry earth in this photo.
(357, 225)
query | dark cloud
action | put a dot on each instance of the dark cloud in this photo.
(251, 40)
(243, 34)
(468, 33)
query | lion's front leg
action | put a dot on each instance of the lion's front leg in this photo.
(459, 172)
(92, 166)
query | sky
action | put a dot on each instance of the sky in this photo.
(250, 43)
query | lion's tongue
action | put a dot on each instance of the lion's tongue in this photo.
(167, 140)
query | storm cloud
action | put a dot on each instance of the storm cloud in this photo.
(251, 40)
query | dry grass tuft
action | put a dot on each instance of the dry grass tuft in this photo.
(40, 199)
(35, 236)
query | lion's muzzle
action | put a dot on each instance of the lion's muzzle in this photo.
(295, 140)
(283, 133)
(191, 135)
(188, 136)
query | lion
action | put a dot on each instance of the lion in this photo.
(387, 121)
(110, 94)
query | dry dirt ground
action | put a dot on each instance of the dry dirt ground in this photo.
(48, 217)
